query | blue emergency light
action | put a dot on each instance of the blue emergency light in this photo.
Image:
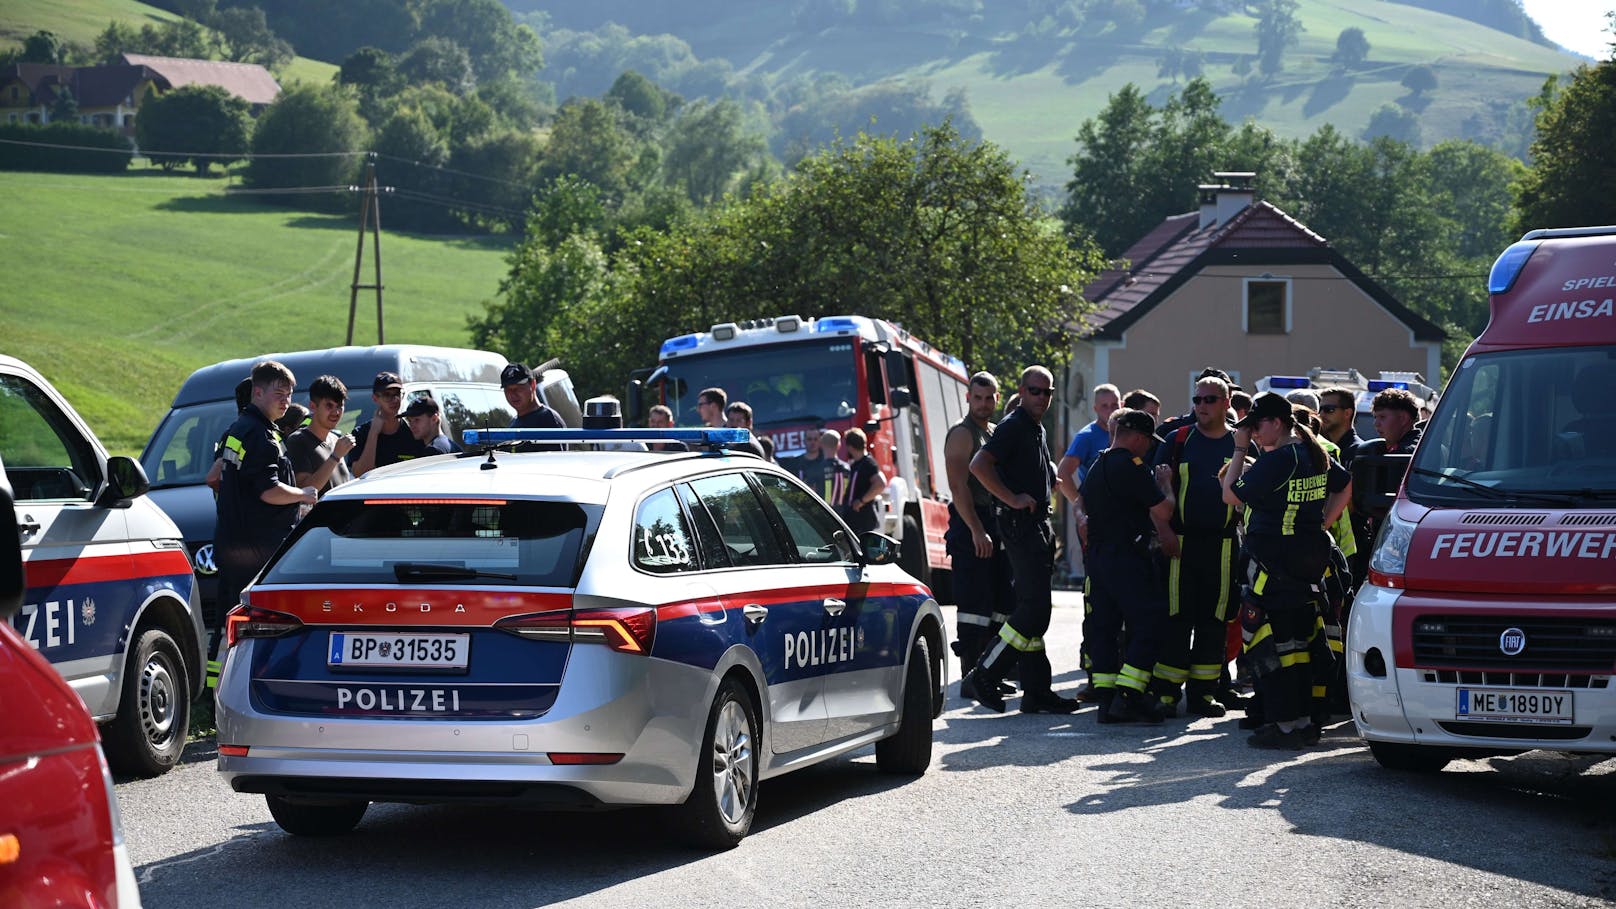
(835, 323)
(712, 437)
(1509, 266)
(1289, 382)
(1383, 384)
(683, 342)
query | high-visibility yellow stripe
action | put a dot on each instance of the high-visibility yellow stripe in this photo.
(1320, 691)
(1222, 610)
(1105, 680)
(1263, 634)
(966, 618)
(1170, 673)
(1260, 584)
(1287, 524)
(1295, 659)
(1206, 672)
(1173, 572)
(1183, 485)
(1336, 646)
(1019, 641)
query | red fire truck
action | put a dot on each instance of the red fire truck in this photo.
(1487, 624)
(801, 376)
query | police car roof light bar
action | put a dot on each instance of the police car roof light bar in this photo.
(710, 438)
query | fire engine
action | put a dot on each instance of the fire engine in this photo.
(802, 376)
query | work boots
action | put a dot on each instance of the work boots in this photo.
(981, 684)
(1131, 706)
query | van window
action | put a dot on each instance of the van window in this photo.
(352, 542)
(45, 456)
(472, 407)
(182, 449)
(1536, 421)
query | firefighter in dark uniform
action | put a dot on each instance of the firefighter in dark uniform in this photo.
(1014, 466)
(258, 501)
(1126, 503)
(981, 568)
(1201, 580)
(1291, 494)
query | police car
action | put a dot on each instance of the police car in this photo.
(575, 629)
(110, 601)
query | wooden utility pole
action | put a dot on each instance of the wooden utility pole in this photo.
(370, 214)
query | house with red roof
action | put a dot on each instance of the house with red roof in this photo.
(1241, 285)
(111, 95)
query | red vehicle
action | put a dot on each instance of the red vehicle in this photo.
(61, 841)
(801, 376)
(1488, 622)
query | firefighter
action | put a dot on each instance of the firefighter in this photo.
(1288, 492)
(1201, 578)
(1126, 504)
(981, 566)
(1014, 466)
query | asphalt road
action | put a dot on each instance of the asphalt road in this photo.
(1015, 811)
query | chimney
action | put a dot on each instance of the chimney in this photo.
(1232, 196)
(1209, 205)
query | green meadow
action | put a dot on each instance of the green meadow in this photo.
(119, 286)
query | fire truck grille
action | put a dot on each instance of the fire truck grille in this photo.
(1515, 679)
(1550, 645)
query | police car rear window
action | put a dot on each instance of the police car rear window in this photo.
(525, 544)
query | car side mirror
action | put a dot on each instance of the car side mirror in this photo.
(879, 549)
(126, 481)
(1375, 481)
(12, 582)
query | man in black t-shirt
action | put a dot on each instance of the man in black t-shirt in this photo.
(521, 389)
(1126, 504)
(425, 420)
(1014, 465)
(384, 439)
(317, 451)
(862, 487)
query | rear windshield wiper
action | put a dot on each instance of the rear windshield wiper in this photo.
(1547, 498)
(421, 571)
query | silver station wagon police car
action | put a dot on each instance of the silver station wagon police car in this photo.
(572, 629)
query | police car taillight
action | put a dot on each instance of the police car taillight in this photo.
(626, 629)
(1389, 562)
(246, 621)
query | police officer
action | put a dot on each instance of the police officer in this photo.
(981, 569)
(1126, 503)
(1014, 465)
(1201, 576)
(258, 503)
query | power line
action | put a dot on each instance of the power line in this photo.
(147, 152)
(451, 170)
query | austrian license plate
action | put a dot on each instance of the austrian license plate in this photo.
(372, 650)
(1510, 705)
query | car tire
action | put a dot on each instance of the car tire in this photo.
(1411, 758)
(147, 736)
(316, 818)
(719, 812)
(908, 751)
(912, 551)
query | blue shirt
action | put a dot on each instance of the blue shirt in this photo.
(1086, 446)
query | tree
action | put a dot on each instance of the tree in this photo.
(319, 122)
(438, 60)
(200, 123)
(1351, 48)
(1572, 180)
(496, 45)
(707, 147)
(249, 39)
(586, 141)
(1420, 79)
(1394, 122)
(370, 68)
(65, 106)
(117, 38)
(43, 47)
(1278, 30)
(640, 97)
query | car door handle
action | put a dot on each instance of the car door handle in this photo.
(754, 613)
(834, 606)
(27, 526)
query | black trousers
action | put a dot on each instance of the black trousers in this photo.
(238, 563)
(1125, 591)
(1202, 595)
(982, 587)
(1029, 543)
(1282, 623)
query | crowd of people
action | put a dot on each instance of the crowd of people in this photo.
(1221, 536)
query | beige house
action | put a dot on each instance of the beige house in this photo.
(1242, 286)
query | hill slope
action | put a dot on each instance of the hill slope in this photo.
(119, 286)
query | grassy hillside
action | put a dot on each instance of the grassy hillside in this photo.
(118, 287)
(79, 21)
(1031, 93)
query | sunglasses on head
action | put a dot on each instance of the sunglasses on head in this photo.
(1038, 392)
(1206, 399)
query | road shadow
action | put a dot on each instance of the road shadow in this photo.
(405, 855)
(1336, 791)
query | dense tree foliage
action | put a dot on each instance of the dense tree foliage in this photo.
(203, 124)
(1278, 30)
(1573, 177)
(1351, 47)
(319, 127)
(63, 148)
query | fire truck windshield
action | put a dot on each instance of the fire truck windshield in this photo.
(1528, 423)
(802, 382)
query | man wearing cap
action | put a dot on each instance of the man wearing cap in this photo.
(426, 424)
(384, 439)
(258, 501)
(1013, 464)
(1127, 503)
(521, 389)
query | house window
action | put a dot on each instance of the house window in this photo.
(1268, 306)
